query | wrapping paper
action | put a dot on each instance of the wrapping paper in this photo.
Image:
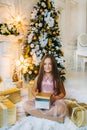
(7, 112)
(77, 112)
(30, 87)
(14, 94)
(42, 100)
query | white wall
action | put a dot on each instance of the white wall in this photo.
(73, 23)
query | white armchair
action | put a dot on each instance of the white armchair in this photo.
(81, 51)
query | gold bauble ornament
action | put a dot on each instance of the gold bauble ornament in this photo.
(54, 33)
(31, 67)
(62, 53)
(41, 10)
(26, 56)
(52, 49)
(36, 71)
(36, 24)
(31, 82)
(48, 27)
(40, 37)
(34, 38)
(44, 6)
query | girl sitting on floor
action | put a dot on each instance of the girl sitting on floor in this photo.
(49, 81)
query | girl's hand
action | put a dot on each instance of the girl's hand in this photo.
(35, 93)
(53, 99)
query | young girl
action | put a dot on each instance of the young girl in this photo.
(49, 81)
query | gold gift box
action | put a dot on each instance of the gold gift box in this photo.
(78, 113)
(42, 100)
(30, 87)
(7, 112)
(14, 94)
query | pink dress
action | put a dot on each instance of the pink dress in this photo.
(47, 85)
(58, 108)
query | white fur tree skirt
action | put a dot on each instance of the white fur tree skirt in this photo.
(34, 123)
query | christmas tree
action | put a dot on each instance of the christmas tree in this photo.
(43, 37)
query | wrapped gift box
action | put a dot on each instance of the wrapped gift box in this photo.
(70, 100)
(42, 100)
(78, 113)
(30, 87)
(7, 112)
(14, 94)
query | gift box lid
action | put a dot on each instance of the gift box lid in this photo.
(5, 92)
(43, 95)
(6, 102)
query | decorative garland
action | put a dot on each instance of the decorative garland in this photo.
(6, 29)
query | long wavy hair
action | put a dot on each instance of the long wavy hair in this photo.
(55, 73)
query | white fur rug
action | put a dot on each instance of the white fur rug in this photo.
(34, 123)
